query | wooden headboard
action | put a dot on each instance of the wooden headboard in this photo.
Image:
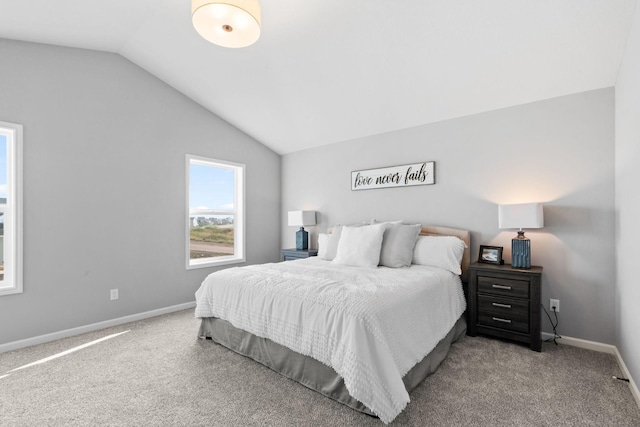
(464, 235)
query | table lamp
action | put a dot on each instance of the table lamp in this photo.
(302, 218)
(524, 215)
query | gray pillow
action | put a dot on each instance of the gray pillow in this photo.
(397, 245)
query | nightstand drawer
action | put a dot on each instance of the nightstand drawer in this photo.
(510, 309)
(503, 323)
(504, 287)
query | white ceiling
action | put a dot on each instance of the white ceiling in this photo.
(328, 71)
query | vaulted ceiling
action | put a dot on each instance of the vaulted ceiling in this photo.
(328, 71)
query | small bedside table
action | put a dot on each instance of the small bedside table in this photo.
(505, 302)
(291, 254)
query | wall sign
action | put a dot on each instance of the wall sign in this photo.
(394, 176)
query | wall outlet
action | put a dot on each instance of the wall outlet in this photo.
(114, 294)
(554, 303)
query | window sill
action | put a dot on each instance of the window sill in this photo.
(194, 264)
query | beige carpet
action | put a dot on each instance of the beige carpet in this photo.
(159, 374)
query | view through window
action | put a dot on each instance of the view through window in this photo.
(10, 208)
(215, 205)
(3, 198)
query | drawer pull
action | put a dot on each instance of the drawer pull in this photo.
(496, 286)
(497, 319)
(497, 304)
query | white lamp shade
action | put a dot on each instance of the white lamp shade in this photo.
(227, 23)
(524, 215)
(302, 218)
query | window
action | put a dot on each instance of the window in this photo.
(10, 208)
(215, 218)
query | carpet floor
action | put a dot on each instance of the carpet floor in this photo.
(160, 374)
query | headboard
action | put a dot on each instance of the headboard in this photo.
(464, 235)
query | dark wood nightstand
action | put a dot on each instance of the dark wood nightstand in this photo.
(505, 302)
(291, 254)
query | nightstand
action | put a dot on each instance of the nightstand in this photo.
(504, 302)
(291, 254)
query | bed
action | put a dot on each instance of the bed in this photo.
(362, 334)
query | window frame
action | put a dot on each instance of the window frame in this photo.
(13, 278)
(239, 243)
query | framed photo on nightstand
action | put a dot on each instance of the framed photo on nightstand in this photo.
(490, 255)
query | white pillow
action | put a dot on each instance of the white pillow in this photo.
(398, 243)
(439, 251)
(323, 244)
(331, 246)
(360, 246)
(334, 239)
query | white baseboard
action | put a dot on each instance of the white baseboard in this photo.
(632, 384)
(15, 345)
(577, 342)
(602, 348)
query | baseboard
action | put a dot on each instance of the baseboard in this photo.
(15, 345)
(602, 348)
(632, 384)
(577, 342)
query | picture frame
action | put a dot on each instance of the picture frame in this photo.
(490, 255)
(394, 176)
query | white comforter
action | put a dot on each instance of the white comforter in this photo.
(370, 325)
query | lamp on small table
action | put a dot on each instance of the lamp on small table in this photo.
(524, 215)
(302, 218)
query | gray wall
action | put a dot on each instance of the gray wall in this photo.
(627, 294)
(559, 152)
(104, 187)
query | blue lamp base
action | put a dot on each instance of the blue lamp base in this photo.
(521, 251)
(302, 239)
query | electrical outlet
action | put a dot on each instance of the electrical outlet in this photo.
(114, 294)
(554, 303)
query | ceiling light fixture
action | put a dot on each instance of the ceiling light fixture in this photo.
(227, 23)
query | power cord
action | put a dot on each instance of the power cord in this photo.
(553, 325)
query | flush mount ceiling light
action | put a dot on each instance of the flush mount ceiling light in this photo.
(228, 23)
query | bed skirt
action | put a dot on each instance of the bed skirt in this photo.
(310, 372)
